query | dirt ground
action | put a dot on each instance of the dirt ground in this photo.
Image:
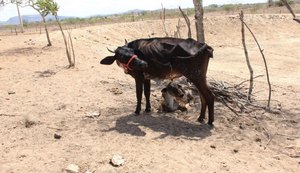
(39, 97)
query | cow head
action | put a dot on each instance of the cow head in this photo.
(126, 58)
(178, 92)
(174, 89)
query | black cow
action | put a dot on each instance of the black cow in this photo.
(166, 58)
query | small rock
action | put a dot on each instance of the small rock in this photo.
(117, 160)
(11, 92)
(277, 157)
(242, 126)
(235, 150)
(93, 114)
(60, 107)
(72, 168)
(57, 136)
(213, 146)
(258, 140)
(28, 122)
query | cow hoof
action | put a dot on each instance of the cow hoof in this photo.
(210, 124)
(200, 120)
(136, 113)
(148, 110)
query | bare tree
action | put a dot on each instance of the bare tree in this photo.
(163, 18)
(20, 17)
(264, 59)
(247, 58)
(187, 21)
(18, 3)
(199, 20)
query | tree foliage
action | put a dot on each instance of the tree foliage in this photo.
(47, 6)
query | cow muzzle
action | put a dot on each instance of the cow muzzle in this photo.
(134, 63)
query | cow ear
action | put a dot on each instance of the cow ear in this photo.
(108, 60)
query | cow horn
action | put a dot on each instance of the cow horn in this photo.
(110, 50)
(126, 42)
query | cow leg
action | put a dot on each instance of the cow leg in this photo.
(207, 99)
(203, 107)
(139, 92)
(147, 86)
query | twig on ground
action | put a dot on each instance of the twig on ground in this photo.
(268, 135)
(7, 115)
(234, 97)
(247, 80)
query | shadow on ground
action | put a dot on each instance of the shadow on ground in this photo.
(161, 123)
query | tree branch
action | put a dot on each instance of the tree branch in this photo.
(265, 62)
(187, 21)
(291, 10)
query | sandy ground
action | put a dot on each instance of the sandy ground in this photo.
(36, 87)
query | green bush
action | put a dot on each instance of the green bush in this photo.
(213, 6)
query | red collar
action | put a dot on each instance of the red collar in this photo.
(126, 66)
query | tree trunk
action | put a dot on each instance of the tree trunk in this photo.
(263, 56)
(46, 29)
(20, 17)
(247, 58)
(65, 41)
(291, 11)
(44, 21)
(199, 20)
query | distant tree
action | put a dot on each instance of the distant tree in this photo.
(199, 20)
(40, 7)
(213, 6)
(18, 3)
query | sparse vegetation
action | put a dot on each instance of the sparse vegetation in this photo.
(83, 117)
(155, 15)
